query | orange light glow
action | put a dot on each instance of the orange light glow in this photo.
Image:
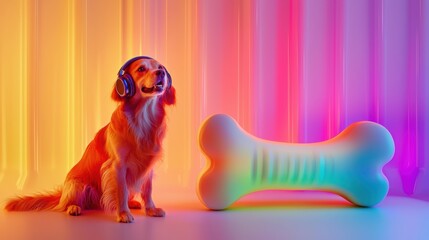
(58, 65)
(288, 71)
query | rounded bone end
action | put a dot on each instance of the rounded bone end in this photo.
(362, 180)
(218, 135)
(214, 191)
(224, 144)
(367, 192)
(373, 141)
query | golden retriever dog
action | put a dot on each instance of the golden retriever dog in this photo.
(117, 165)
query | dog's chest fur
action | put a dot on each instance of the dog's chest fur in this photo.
(141, 131)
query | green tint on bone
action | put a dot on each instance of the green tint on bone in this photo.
(349, 164)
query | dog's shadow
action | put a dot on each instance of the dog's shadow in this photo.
(95, 215)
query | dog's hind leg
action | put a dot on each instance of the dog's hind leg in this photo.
(134, 204)
(72, 198)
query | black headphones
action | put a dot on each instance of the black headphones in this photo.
(125, 82)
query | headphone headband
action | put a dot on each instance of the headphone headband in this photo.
(128, 63)
(125, 84)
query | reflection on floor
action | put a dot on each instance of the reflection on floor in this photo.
(291, 215)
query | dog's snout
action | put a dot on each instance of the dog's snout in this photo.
(160, 74)
(159, 84)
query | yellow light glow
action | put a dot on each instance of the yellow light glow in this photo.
(64, 56)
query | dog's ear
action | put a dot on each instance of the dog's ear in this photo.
(170, 94)
(115, 96)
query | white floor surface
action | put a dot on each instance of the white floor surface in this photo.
(296, 215)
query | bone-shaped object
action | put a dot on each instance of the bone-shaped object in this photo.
(349, 164)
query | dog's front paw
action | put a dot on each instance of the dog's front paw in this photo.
(74, 210)
(125, 217)
(155, 212)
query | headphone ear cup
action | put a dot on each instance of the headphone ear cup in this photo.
(125, 86)
(169, 83)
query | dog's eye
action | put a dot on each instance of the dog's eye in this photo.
(141, 69)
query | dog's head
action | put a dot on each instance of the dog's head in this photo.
(143, 79)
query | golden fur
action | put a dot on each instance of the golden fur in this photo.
(117, 164)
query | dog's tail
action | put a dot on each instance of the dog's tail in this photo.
(38, 202)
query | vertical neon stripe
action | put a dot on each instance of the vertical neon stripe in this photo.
(337, 70)
(272, 69)
(121, 33)
(126, 29)
(71, 79)
(3, 133)
(83, 74)
(296, 71)
(409, 165)
(396, 73)
(238, 74)
(422, 188)
(34, 152)
(318, 70)
(277, 59)
(376, 60)
(188, 166)
(245, 41)
(4, 152)
(23, 93)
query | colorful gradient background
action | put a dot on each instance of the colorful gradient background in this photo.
(295, 71)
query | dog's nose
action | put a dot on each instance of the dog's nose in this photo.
(160, 74)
